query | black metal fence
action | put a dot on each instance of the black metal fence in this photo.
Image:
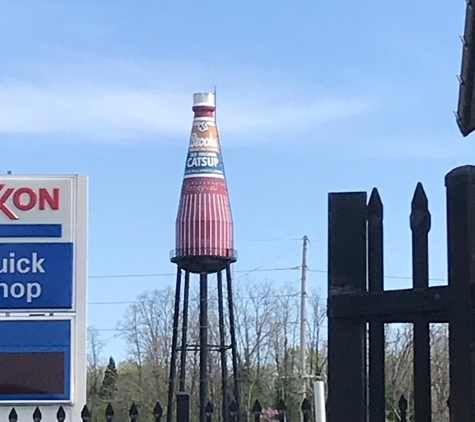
(306, 410)
(359, 306)
(86, 414)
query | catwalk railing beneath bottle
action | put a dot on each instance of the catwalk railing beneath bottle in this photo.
(203, 251)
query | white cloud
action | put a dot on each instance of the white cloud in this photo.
(452, 146)
(31, 109)
(131, 103)
(286, 116)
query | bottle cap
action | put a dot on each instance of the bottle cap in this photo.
(203, 99)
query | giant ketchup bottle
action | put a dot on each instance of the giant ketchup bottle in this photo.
(204, 227)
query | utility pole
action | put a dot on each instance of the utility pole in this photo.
(303, 318)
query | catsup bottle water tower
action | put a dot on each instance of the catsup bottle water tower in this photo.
(204, 245)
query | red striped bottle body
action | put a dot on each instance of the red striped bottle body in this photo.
(204, 225)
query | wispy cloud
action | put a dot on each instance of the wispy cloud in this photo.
(285, 116)
(418, 147)
(122, 104)
(25, 108)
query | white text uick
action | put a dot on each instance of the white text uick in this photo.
(13, 265)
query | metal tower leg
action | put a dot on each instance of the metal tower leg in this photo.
(184, 332)
(203, 345)
(232, 329)
(171, 381)
(222, 348)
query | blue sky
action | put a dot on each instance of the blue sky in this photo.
(313, 97)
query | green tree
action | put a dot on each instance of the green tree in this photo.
(108, 386)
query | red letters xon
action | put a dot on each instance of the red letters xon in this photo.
(25, 198)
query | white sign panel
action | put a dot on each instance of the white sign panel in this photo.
(39, 241)
(43, 270)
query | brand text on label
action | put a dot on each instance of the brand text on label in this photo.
(197, 142)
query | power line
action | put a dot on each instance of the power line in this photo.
(396, 277)
(131, 275)
(148, 275)
(244, 272)
(273, 240)
(106, 329)
(197, 299)
(259, 268)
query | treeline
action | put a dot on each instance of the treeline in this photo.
(268, 336)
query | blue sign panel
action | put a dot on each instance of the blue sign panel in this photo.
(30, 230)
(36, 275)
(202, 163)
(35, 360)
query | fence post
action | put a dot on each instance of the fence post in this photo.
(13, 416)
(183, 407)
(134, 413)
(37, 416)
(85, 414)
(257, 411)
(209, 412)
(450, 410)
(233, 411)
(460, 184)
(281, 408)
(420, 226)
(171, 380)
(158, 412)
(60, 415)
(319, 401)
(376, 349)
(346, 336)
(403, 408)
(306, 409)
(109, 413)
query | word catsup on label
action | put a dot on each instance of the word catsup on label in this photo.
(25, 198)
(202, 162)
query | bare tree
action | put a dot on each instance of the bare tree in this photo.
(439, 338)
(316, 335)
(267, 322)
(146, 329)
(256, 306)
(95, 362)
(399, 365)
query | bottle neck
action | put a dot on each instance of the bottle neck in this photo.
(204, 111)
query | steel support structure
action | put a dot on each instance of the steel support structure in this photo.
(204, 348)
